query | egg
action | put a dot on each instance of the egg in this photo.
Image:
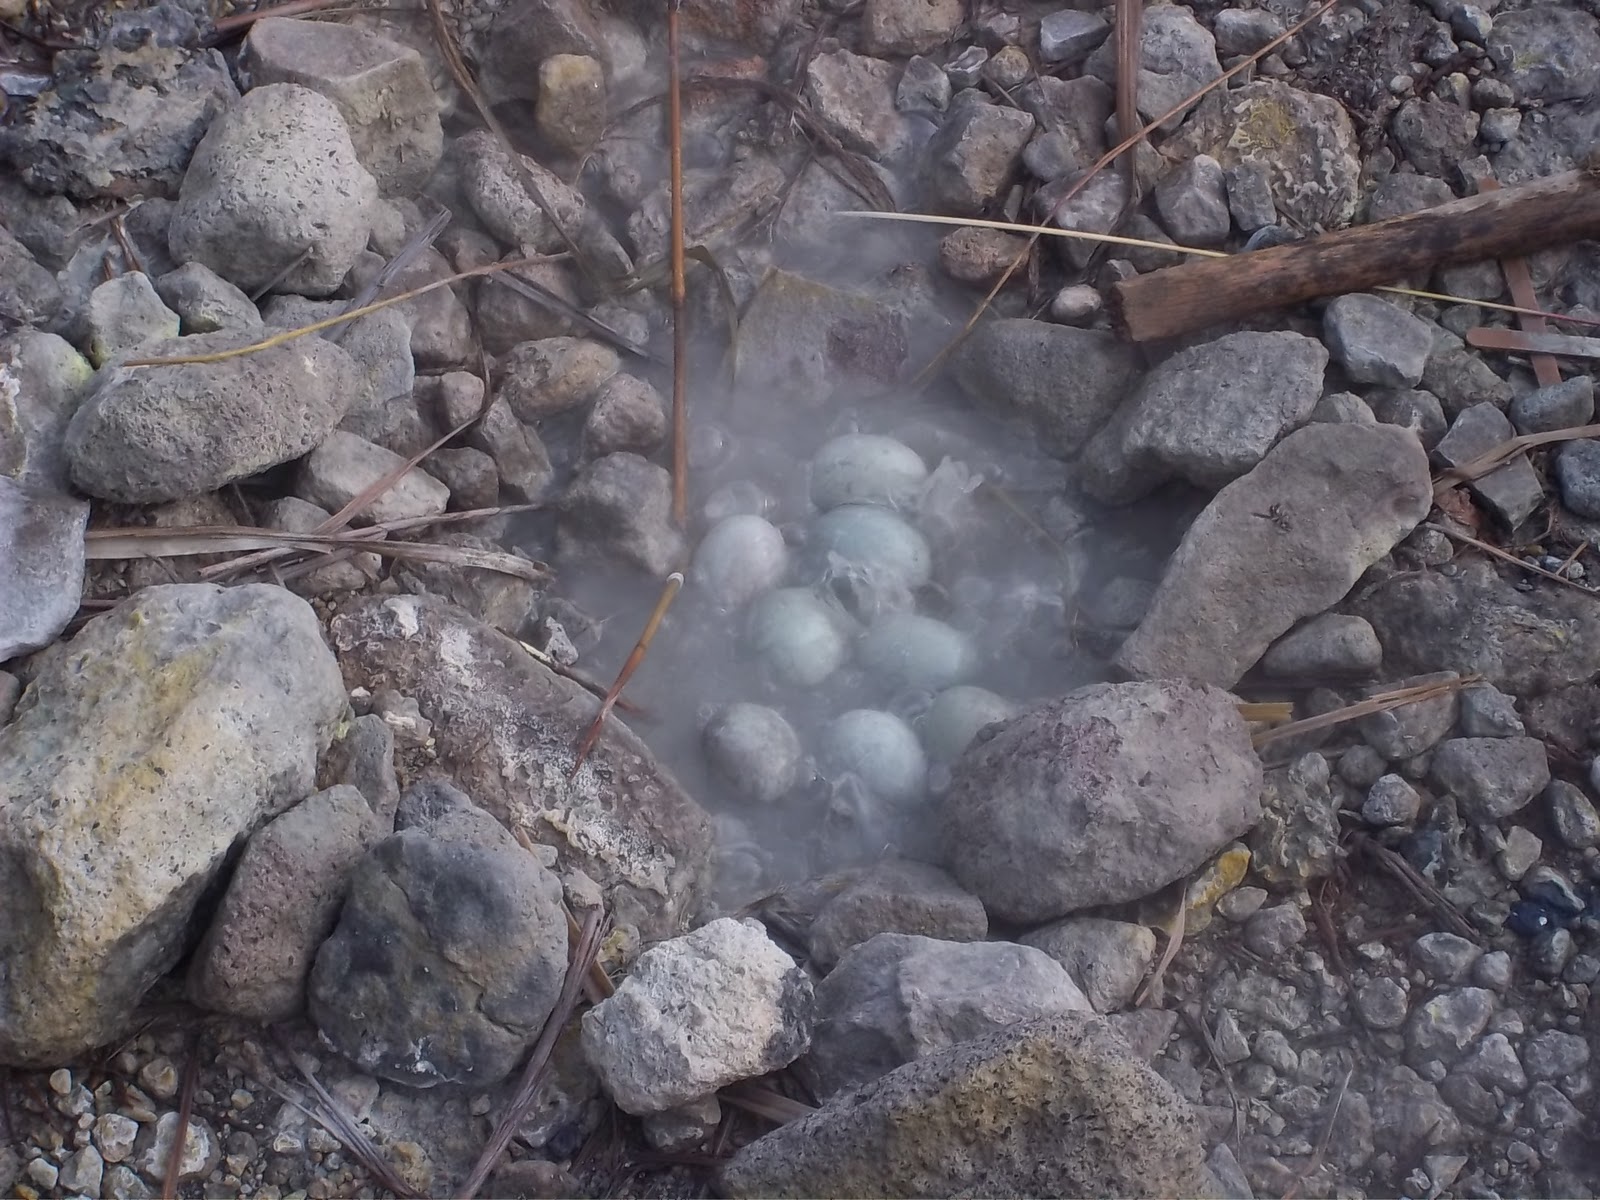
(956, 715)
(911, 651)
(800, 636)
(866, 468)
(754, 750)
(879, 749)
(858, 541)
(740, 558)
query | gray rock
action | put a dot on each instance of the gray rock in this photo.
(81, 1173)
(1244, 31)
(1361, 766)
(380, 87)
(274, 178)
(1550, 953)
(149, 434)
(1547, 53)
(1093, 209)
(364, 759)
(1056, 1106)
(1297, 838)
(206, 302)
(505, 727)
(1494, 1063)
(1211, 412)
(1519, 853)
(1493, 971)
(1391, 801)
(29, 294)
(1560, 406)
(495, 190)
(628, 415)
(1449, 1021)
(1377, 342)
(685, 1127)
(1332, 644)
(1079, 305)
(294, 515)
(696, 1013)
(1106, 959)
(1572, 814)
(280, 904)
(570, 113)
(41, 565)
(1381, 1003)
(974, 155)
(1460, 378)
(979, 256)
(1486, 711)
(10, 693)
(1240, 579)
(1098, 797)
(384, 410)
(897, 998)
(1250, 200)
(121, 120)
(908, 26)
(1404, 192)
(1411, 408)
(1475, 621)
(519, 456)
(42, 380)
(1193, 203)
(1018, 366)
(1578, 472)
(1177, 57)
(1446, 957)
(441, 328)
(895, 895)
(344, 466)
(217, 703)
(1275, 931)
(1512, 492)
(1072, 116)
(1068, 36)
(1434, 134)
(854, 99)
(619, 508)
(1554, 1054)
(754, 750)
(546, 378)
(447, 957)
(525, 31)
(124, 313)
(923, 87)
(1491, 778)
(201, 1152)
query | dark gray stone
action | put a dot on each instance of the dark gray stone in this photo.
(1548, 53)
(1391, 801)
(1068, 35)
(1332, 644)
(41, 565)
(1573, 815)
(1377, 342)
(1486, 711)
(1578, 472)
(1106, 959)
(1561, 406)
(974, 155)
(1193, 203)
(895, 896)
(1511, 492)
(1435, 134)
(619, 507)
(1450, 1021)
(1554, 1054)
(1491, 778)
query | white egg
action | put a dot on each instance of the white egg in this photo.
(860, 540)
(956, 715)
(865, 468)
(755, 750)
(741, 557)
(908, 650)
(879, 749)
(802, 638)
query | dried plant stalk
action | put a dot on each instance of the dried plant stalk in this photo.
(680, 323)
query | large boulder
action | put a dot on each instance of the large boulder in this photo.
(506, 729)
(1280, 544)
(1099, 797)
(146, 749)
(1058, 1106)
(41, 565)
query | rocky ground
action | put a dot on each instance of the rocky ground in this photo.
(938, 855)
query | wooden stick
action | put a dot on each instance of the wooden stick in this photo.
(1519, 282)
(1181, 299)
(1535, 345)
(680, 324)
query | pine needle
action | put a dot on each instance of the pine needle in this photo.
(1382, 702)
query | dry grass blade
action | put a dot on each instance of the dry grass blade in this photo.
(539, 1061)
(598, 985)
(408, 254)
(545, 298)
(1105, 160)
(593, 686)
(225, 28)
(635, 657)
(680, 321)
(1491, 459)
(1150, 991)
(1382, 702)
(180, 1131)
(1274, 711)
(1413, 882)
(765, 1103)
(1505, 556)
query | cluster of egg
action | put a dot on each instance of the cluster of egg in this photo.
(847, 593)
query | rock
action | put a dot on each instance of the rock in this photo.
(910, 651)
(384, 410)
(923, 87)
(1377, 342)
(1413, 409)
(1177, 57)
(1211, 412)
(1410, 729)
(1494, 1064)
(1446, 957)
(1093, 209)
(1553, 1054)
(149, 434)
(81, 1173)
(521, 32)
(1547, 53)
(1560, 406)
(1343, 408)
(206, 302)
(1491, 778)
(1250, 200)
(1106, 959)
(124, 313)
(1381, 1003)
(201, 1152)
(1512, 492)
(908, 26)
(381, 89)
(1193, 202)
(494, 188)
(42, 380)
(1076, 305)
(1054, 1106)
(217, 702)
(696, 1013)
(1068, 36)
(294, 515)
(628, 415)
(280, 904)
(364, 759)
(800, 638)
(800, 341)
(546, 378)
(895, 895)
(571, 110)
(1297, 839)
(1101, 796)
(345, 466)
(1240, 579)
(1460, 378)
(1573, 815)
(1486, 711)
(1332, 644)
(441, 329)
(1018, 366)
(1578, 472)
(682, 1128)
(1274, 932)
(979, 256)
(1391, 801)
(1476, 622)
(1435, 134)
(469, 475)
(896, 998)
(29, 294)
(1072, 115)
(956, 716)
(123, 119)
(853, 98)
(754, 750)
(448, 954)
(1405, 192)
(974, 155)
(41, 565)
(1244, 31)
(519, 456)
(1303, 142)
(619, 507)
(505, 727)
(276, 177)
(1447, 1023)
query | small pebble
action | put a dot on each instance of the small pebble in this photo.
(1493, 971)
(1520, 852)
(1381, 1004)
(1391, 801)
(1241, 903)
